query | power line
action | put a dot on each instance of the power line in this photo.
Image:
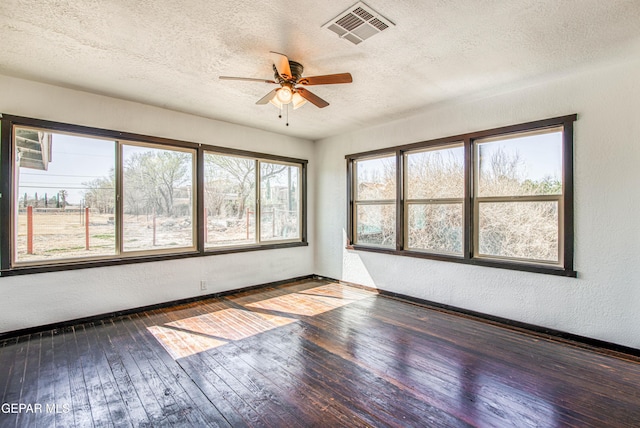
(59, 175)
(64, 187)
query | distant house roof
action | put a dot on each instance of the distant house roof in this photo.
(34, 149)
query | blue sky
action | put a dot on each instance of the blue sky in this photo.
(74, 160)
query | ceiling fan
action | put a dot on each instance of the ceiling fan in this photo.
(288, 74)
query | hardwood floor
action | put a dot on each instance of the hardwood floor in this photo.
(310, 353)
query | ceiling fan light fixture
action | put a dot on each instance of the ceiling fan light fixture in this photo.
(284, 95)
(297, 101)
(274, 101)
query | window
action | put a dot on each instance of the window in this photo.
(375, 204)
(64, 196)
(157, 201)
(91, 197)
(279, 202)
(435, 200)
(501, 197)
(230, 201)
(519, 196)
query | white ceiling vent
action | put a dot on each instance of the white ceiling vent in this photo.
(358, 23)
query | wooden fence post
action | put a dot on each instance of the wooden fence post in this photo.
(86, 227)
(206, 226)
(30, 229)
(154, 227)
(248, 212)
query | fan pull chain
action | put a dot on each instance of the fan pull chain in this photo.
(287, 110)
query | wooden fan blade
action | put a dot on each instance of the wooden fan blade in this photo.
(249, 79)
(312, 98)
(328, 79)
(282, 64)
(267, 98)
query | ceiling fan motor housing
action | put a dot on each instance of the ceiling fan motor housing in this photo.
(296, 72)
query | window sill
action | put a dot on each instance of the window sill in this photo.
(65, 266)
(534, 268)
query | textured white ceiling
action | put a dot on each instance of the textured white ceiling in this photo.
(169, 53)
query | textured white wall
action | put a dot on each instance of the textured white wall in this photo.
(604, 302)
(31, 300)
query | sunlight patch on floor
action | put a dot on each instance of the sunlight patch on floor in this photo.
(189, 336)
(180, 344)
(231, 324)
(313, 301)
(192, 335)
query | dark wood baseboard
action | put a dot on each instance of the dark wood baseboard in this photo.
(100, 317)
(596, 345)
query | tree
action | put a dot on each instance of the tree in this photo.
(152, 178)
(228, 174)
(62, 197)
(100, 193)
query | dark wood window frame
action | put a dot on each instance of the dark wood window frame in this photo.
(567, 223)
(7, 123)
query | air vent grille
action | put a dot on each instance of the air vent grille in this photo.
(358, 23)
(362, 13)
(378, 24)
(349, 22)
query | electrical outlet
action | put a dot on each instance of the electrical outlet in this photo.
(203, 285)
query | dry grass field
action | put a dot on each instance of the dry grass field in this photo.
(62, 235)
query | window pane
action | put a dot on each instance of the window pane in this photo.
(64, 196)
(437, 173)
(157, 198)
(229, 200)
(527, 230)
(527, 164)
(436, 227)
(376, 179)
(279, 201)
(376, 225)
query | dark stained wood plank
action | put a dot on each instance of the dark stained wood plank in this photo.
(286, 349)
(249, 383)
(439, 382)
(144, 363)
(304, 390)
(524, 373)
(361, 390)
(46, 379)
(80, 405)
(7, 357)
(62, 405)
(114, 401)
(17, 371)
(148, 350)
(280, 368)
(14, 381)
(90, 360)
(29, 392)
(134, 410)
(235, 410)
